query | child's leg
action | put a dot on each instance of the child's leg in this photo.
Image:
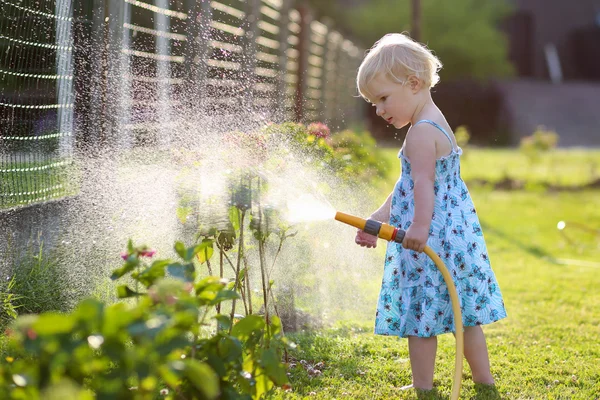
(422, 360)
(477, 355)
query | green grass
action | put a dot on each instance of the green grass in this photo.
(559, 167)
(547, 348)
(25, 183)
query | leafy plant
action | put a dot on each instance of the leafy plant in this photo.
(34, 285)
(159, 346)
(539, 142)
(9, 301)
(463, 33)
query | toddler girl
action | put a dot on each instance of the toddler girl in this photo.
(431, 203)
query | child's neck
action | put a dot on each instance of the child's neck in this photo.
(424, 105)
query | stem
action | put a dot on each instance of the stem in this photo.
(281, 239)
(239, 262)
(263, 272)
(279, 316)
(248, 288)
(220, 274)
(208, 262)
(243, 293)
(196, 335)
(137, 283)
(223, 254)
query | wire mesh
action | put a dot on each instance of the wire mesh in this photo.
(36, 100)
(127, 69)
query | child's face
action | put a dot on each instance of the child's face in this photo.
(395, 102)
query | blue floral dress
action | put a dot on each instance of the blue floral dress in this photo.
(414, 299)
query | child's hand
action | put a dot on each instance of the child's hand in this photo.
(416, 238)
(365, 240)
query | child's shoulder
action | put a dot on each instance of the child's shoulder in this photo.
(430, 136)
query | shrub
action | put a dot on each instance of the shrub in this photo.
(36, 284)
(352, 155)
(160, 345)
(539, 142)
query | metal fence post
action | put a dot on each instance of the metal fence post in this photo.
(64, 67)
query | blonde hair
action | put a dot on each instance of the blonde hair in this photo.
(397, 56)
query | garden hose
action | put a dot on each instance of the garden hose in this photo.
(391, 233)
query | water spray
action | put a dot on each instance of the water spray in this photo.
(393, 234)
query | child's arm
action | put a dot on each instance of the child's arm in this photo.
(421, 151)
(383, 213)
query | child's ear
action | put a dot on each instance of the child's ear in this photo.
(414, 83)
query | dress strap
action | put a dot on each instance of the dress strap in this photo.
(427, 121)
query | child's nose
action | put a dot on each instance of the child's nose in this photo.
(379, 111)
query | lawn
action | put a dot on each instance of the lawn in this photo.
(547, 348)
(22, 183)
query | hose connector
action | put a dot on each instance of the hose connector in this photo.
(372, 227)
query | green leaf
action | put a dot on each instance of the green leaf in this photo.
(180, 249)
(53, 323)
(116, 317)
(174, 343)
(123, 292)
(224, 321)
(91, 311)
(204, 250)
(202, 376)
(273, 367)
(183, 212)
(170, 375)
(275, 325)
(184, 272)
(212, 283)
(241, 278)
(245, 327)
(130, 265)
(246, 381)
(263, 383)
(210, 298)
(205, 254)
(230, 349)
(234, 217)
(151, 274)
(149, 328)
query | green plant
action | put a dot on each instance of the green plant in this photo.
(37, 283)
(9, 302)
(541, 141)
(464, 34)
(163, 345)
(351, 155)
(357, 156)
(462, 136)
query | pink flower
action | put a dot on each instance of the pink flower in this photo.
(124, 255)
(147, 253)
(319, 129)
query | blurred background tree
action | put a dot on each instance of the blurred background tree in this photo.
(464, 34)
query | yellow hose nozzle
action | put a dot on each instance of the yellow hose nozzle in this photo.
(391, 233)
